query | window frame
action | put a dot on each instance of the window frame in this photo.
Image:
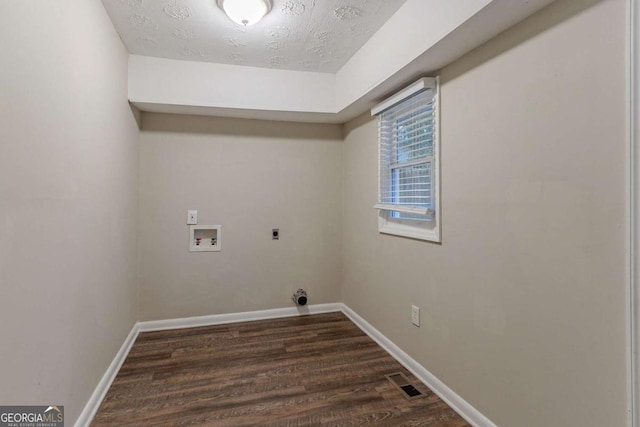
(430, 228)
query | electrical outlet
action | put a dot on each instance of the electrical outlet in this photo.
(415, 315)
(192, 217)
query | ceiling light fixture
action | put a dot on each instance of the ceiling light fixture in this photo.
(245, 12)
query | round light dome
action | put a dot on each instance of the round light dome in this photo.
(245, 12)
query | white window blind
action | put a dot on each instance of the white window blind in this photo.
(407, 134)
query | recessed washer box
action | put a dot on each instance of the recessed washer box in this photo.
(205, 238)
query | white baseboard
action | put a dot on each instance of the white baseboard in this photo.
(90, 409)
(221, 319)
(451, 398)
(462, 407)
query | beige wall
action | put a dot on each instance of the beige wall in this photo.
(68, 201)
(248, 176)
(523, 304)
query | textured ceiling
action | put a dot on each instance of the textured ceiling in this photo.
(305, 35)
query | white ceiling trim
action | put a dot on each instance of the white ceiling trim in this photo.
(420, 38)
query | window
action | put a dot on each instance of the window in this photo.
(408, 149)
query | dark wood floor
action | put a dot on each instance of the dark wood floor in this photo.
(300, 371)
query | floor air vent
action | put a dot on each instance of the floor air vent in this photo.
(403, 384)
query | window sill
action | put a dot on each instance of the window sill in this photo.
(429, 232)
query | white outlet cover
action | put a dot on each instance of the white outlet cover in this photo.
(415, 315)
(192, 217)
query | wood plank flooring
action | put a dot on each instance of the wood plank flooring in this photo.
(300, 371)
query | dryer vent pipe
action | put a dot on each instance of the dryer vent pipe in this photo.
(300, 297)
